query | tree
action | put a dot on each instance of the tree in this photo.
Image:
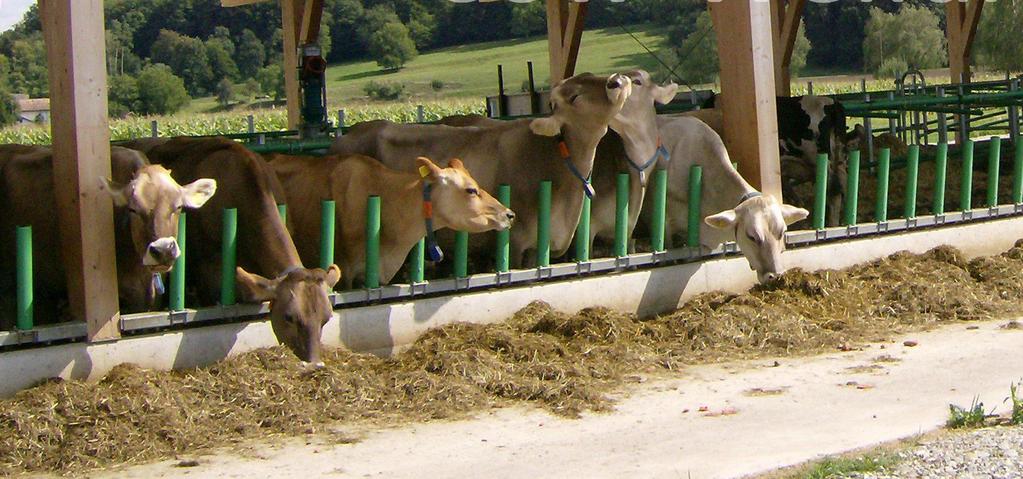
(344, 31)
(374, 20)
(251, 54)
(997, 46)
(122, 95)
(697, 57)
(271, 80)
(221, 64)
(528, 19)
(186, 56)
(421, 25)
(28, 72)
(7, 113)
(800, 51)
(225, 92)
(164, 92)
(912, 35)
(392, 46)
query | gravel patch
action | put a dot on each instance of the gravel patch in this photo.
(991, 453)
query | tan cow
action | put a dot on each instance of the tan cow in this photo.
(269, 267)
(734, 210)
(147, 203)
(521, 153)
(457, 202)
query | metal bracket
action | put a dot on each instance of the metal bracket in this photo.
(967, 215)
(374, 294)
(418, 288)
(502, 278)
(939, 219)
(911, 223)
(852, 230)
(622, 262)
(882, 226)
(821, 234)
(177, 317)
(583, 267)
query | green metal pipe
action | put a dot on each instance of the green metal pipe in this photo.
(582, 233)
(856, 107)
(327, 209)
(940, 167)
(820, 192)
(372, 242)
(883, 167)
(993, 158)
(912, 175)
(461, 254)
(503, 237)
(622, 215)
(1017, 174)
(660, 199)
(695, 196)
(966, 179)
(543, 226)
(282, 210)
(177, 275)
(291, 147)
(852, 193)
(228, 255)
(26, 301)
(415, 261)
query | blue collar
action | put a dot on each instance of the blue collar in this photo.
(567, 156)
(433, 251)
(749, 196)
(641, 169)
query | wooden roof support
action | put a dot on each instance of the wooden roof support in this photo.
(310, 32)
(292, 15)
(962, 18)
(75, 44)
(748, 93)
(785, 17)
(565, 21)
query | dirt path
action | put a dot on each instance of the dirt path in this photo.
(803, 409)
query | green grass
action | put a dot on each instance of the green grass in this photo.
(1016, 418)
(960, 417)
(843, 466)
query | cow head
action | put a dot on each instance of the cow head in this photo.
(299, 306)
(759, 224)
(637, 121)
(154, 202)
(458, 201)
(584, 105)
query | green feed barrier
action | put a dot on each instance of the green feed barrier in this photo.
(503, 237)
(415, 262)
(543, 226)
(695, 194)
(282, 210)
(912, 175)
(582, 233)
(26, 302)
(1017, 174)
(966, 179)
(372, 242)
(461, 254)
(852, 193)
(940, 169)
(820, 198)
(994, 157)
(228, 255)
(883, 166)
(177, 275)
(327, 209)
(660, 198)
(622, 215)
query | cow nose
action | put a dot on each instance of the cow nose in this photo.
(768, 277)
(510, 215)
(614, 83)
(162, 251)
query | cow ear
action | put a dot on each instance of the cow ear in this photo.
(456, 163)
(664, 94)
(197, 193)
(722, 220)
(548, 126)
(792, 214)
(429, 169)
(333, 276)
(117, 191)
(254, 288)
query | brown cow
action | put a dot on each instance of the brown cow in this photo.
(457, 202)
(147, 203)
(521, 153)
(269, 267)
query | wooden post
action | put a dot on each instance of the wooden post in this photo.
(748, 92)
(291, 18)
(75, 51)
(784, 29)
(565, 20)
(310, 32)
(962, 19)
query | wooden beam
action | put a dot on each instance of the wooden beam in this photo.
(746, 50)
(75, 45)
(238, 3)
(785, 20)
(310, 32)
(291, 16)
(962, 19)
(565, 22)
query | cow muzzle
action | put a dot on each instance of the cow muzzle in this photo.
(160, 254)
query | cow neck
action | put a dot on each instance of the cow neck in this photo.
(128, 262)
(277, 254)
(643, 152)
(573, 152)
(433, 251)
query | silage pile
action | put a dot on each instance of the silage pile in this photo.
(565, 363)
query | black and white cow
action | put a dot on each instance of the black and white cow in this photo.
(808, 125)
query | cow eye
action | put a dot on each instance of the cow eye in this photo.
(472, 191)
(134, 211)
(753, 239)
(637, 82)
(289, 319)
(572, 100)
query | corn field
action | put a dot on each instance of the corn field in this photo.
(202, 124)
